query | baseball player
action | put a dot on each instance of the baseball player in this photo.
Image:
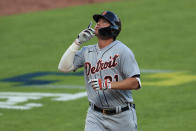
(110, 72)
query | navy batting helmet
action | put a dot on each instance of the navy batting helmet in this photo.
(114, 29)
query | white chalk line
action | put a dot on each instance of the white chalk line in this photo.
(15, 98)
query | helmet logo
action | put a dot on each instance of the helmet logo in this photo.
(104, 13)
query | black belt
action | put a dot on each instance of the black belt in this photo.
(109, 111)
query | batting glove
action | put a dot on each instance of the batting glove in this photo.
(86, 34)
(98, 84)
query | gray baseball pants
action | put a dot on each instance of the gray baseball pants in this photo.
(124, 121)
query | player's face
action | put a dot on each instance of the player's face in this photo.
(100, 24)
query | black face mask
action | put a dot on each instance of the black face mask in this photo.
(108, 32)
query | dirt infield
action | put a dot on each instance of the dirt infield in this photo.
(9, 7)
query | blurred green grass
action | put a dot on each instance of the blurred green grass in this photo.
(160, 33)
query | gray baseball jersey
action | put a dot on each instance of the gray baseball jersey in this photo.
(115, 62)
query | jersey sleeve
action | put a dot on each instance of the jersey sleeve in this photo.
(129, 66)
(79, 58)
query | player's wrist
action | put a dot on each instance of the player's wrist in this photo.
(74, 47)
(114, 85)
(77, 42)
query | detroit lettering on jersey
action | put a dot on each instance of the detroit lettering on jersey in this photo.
(101, 65)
